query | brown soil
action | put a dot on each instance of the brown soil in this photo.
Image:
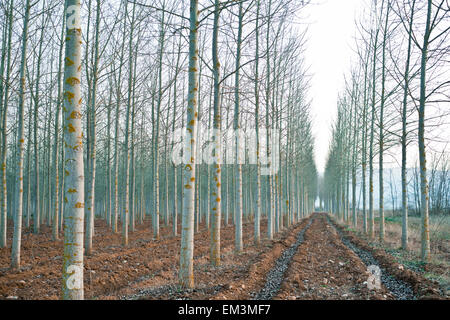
(238, 276)
(325, 269)
(422, 287)
(253, 281)
(440, 247)
(114, 272)
(322, 268)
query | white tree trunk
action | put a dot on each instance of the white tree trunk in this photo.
(187, 234)
(217, 187)
(72, 276)
(17, 237)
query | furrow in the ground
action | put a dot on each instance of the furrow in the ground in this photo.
(276, 275)
(400, 289)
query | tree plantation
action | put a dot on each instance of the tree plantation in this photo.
(167, 149)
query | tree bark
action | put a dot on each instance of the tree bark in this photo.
(72, 287)
(17, 237)
(187, 234)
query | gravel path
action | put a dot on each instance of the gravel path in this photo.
(276, 275)
(400, 289)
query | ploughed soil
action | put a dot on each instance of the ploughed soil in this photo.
(309, 260)
(117, 272)
(422, 287)
(325, 268)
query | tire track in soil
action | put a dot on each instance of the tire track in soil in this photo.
(399, 289)
(324, 268)
(234, 279)
(276, 275)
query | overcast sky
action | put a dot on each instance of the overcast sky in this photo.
(328, 53)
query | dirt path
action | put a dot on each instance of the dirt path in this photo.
(238, 276)
(325, 268)
(333, 264)
(314, 259)
(276, 275)
(397, 287)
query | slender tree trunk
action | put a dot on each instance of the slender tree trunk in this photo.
(38, 215)
(405, 136)
(269, 178)
(364, 140)
(372, 133)
(425, 249)
(91, 156)
(62, 175)
(4, 204)
(28, 209)
(133, 158)
(175, 182)
(117, 124)
(72, 287)
(108, 163)
(238, 225)
(156, 138)
(56, 137)
(381, 123)
(355, 147)
(125, 220)
(17, 237)
(257, 232)
(187, 235)
(217, 188)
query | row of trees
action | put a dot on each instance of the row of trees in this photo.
(439, 187)
(91, 101)
(395, 96)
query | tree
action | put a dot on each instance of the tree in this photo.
(72, 277)
(56, 219)
(372, 131)
(125, 221)
(381, 122)
(404, 139)
(433, 49)
(425, 249)
(6, 51)
(238, 213)
(257, 232)
(117, 125)
(187, 234)
(217, 188)
(91, 156)
(15, 255)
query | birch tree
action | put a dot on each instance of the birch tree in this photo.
(382, 106)
(91, 156)
(217, 135)
(72, 277)
(6, 58)
(56, 220)
(238, 224)
(17, 238)
(187, 234)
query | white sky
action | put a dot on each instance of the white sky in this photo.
(331, 31)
